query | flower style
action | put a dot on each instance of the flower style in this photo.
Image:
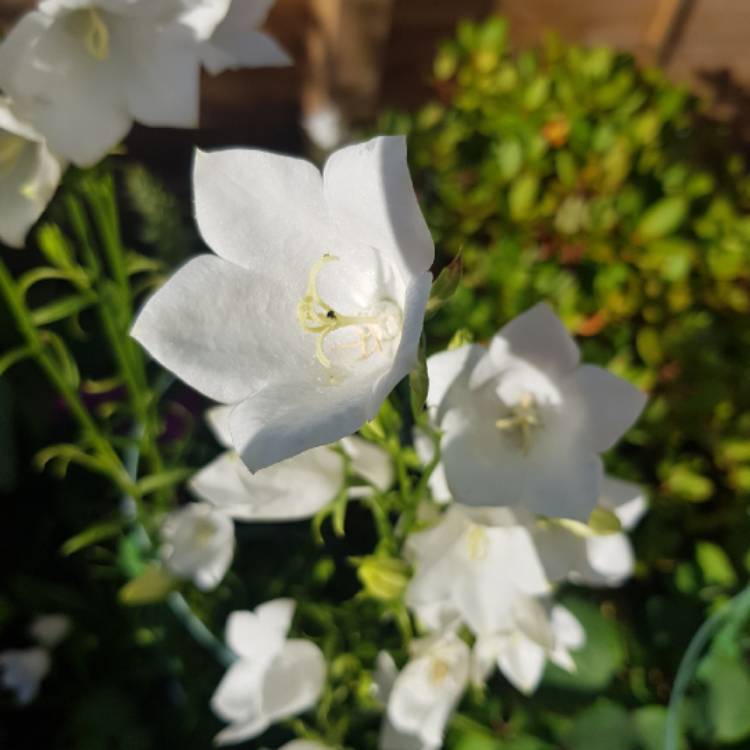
(521, 654)
(428, 688)
(479, 565)
(273, 678)
(574, 552)
(311, 310)
(83, 70)
(198, 543)
(523, 422)
(29, 176)
(23, 670)
(295, 488)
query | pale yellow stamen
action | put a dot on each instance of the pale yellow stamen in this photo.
(477, 542)
(439, 671)
(203, 532)
(524, 419)
(318, 317)
(96, 35)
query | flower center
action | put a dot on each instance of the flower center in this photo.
(87, 24)
(438, 670)
(11, 147)
(523, 421)
(372, 328)
(203, 533)
(477, 542)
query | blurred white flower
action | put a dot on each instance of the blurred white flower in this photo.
(428, 688)
(49, 630)
(29, 176)
(324, 126)
(83, 70)
(198, 544)
(303, 745)
(438, 484)
(521, 653)
(574, 552)
(292, 489)
(391, 738)
(273, 678)
(523, 422)
(23, 670)
(479, 565)
(311, 310)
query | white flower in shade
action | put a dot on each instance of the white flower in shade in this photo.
(295, 488)
(273, 678)
(574, 552)
(522, 654)
(49, 630)
(198, 544)
(391, 738)
(438, 484)
(311, 310)
(23, 670)
(29, 176)
(324, 126)
(524, 422)
(428, 688)
(479, 565)
(83, 70)
(303, 745)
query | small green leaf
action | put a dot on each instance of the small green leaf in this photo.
(728, 683)
(714, 564)
(62, 308)
(444, 286)
(662, 219)
(55, 246)
(164, 479)
(93, 534)
(522, 196)
(419, 382)
(151, 586)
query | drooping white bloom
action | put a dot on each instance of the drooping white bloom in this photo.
(391, 738)
(303, 745)
(428, 688)
(83, 70)
(49, 630)
(479, 565)
(295, 488)
(198, 543)
(29, 176)
(273, 678)
(521, 654)
(311, 310)
(573, 552)
(523, 422)
(23, 670)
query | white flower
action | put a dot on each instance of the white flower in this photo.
(479, 565)
(49, 630)
(391, 738)
(198, 543)
(523, 422)
(573, 552)
(311, 310)
(428, 688)
(324, 126)
(303, 745)
(23, 671)
(295, 488)
(29, 176)
(83, 70)
(438, 484)
(521, 654)
(273, 678)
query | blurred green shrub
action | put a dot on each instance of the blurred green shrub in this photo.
(572, 175)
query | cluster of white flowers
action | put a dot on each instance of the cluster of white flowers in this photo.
(22, 670)
(314, 315)
(78, 73)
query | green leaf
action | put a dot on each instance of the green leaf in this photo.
(603, 725)
(151, 586)
(55, 247)
(62, 308)
(714, 564)
(93, 534)
(65, 361)
(444, 286)
(164, 479)
(509, 157)
(14, 356)
(419, 382)
(137, 263)
(650, 723)
(523, 195)
(728, 682)
(662, 219)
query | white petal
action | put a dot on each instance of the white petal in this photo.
(538, 337)
(445, 368)
(239, 692)
(370, 194)
(303, 745)
(612, 405)
(369, 461)
(23, 671)
(568, 630)
(49, 630)
(202, 17)
(260, 635)
(611, 556)
(263, 211)
(214, 325)
(625, 499)
(522, 662)
(218, 418)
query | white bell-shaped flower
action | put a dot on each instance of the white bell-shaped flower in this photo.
(479, 565)
(273, 678)
(521, 654)
(198, 544)
(311, 310)
(295, 488)
(428, 688)
(29, 176)
(83, 70)
(23, 670)
(524, 422)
